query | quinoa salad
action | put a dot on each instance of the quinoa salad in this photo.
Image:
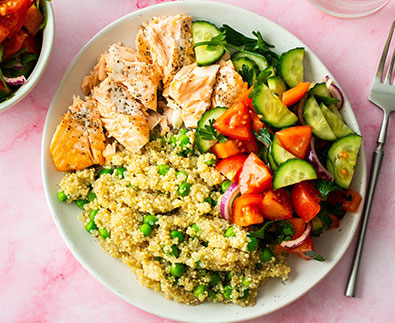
(192, 164)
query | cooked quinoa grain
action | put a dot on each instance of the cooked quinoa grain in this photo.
(191, 255)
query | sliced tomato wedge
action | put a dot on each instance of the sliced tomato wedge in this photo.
(231, 167)
(296, 140)
(256, 123)
(31, 45)
(255, 177)
(246, 210)
(295, 94)
(13, 45)
(11, 6)
(3, 33)
(349, 199)
(306, 246)
(15, 17)
(305, 200)
(335, 221)
(246, 100)
(33, 20)
(276, 205)
(234, 147)
(235, 122)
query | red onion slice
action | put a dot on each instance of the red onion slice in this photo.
(335, 91)
(227, 200)
(312, 157)
(15, 80)
(299, 240)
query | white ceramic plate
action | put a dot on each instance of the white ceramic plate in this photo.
(111, 272)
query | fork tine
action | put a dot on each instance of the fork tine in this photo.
(391, 68)
(380, 68)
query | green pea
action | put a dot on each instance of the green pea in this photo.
(199, 291)
(175, 234)
(119, 172)
(62, 196)
(93, 214)
(162, 139)
(183, 131)
(245, 281)
(174, 251)
(245, 295)
(215, 279)
(266, 255)
(146, 229)
(212, 295)
(90, 226)
(177, 270)
(225, 185)
(81, 203)
(163, 169)
(195, 227)
(184, 188)
(230, 232)
(182, 172)
(184, 140)
(228, 292)
(252, 245)
(150, 219)
(188, 152)
(173, 140)
(209, 200)
(91, 196)
(210, 162)
(105, 171)
(104, 233)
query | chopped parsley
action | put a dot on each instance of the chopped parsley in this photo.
(208, 132)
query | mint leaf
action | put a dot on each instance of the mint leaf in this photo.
(314, 255)
(325, 187)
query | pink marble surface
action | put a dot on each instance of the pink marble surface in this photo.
(40, 281)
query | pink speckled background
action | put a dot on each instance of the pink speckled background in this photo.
(40, 281)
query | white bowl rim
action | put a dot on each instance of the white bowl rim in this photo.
(91, 269)
(42, 62)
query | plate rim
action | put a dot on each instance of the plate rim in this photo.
(68, 241)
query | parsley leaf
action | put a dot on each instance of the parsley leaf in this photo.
(285, 231)
(325, 219)
(260, 234)
(314, 255)
(234, 37)
(335, 209)
(219, 40)
(208, 132)
(263, 136)
(325, 187)
(247, 74)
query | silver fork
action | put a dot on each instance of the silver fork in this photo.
(382, 94)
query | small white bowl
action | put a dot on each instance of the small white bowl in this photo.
(42, 62)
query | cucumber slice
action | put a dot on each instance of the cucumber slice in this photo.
(273, 110)
(316, 227)
(337, 124)
(258, 59)
(213, 114)
(314, 117)
(204, 31)
(280, 154)
(320, 89)
(335, 111)
(272, 162)
(342, 158)
(238, 63)
(276, 85)
(293, 171)
(290, 66)
(270, 69)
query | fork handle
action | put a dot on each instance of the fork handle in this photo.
(378, 155)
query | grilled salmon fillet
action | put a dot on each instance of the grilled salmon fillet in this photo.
(229, 86)
(122, 115)
(191, 89)
(129, 67)
(78, 141)
(167, 43)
